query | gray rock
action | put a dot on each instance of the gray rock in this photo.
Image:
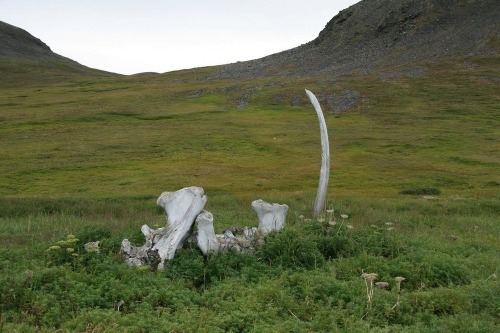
(340, 102)
(242, 102)
(296, 101)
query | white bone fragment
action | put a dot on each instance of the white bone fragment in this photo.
(206, 234)
(271, 216)
(92, 247)
(181, 207)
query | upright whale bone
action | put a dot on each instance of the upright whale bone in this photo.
(319, 203)
(182, 207)
(206, 238)
(271, 216)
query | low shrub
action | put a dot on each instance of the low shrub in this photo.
(332, 241)
(93, 234)
(200, 271)
(188, 264)
(336, 246)
(319, 286)
(485, 297)
(378, 241)
(432, 270)
(440, 302)
(291, 249)
(246, 267)
(425, 190)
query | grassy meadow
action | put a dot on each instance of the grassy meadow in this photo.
(415, 165)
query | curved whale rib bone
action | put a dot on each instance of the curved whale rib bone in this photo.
(319, 203)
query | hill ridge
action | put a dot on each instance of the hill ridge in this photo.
(374, 34)
(23, 55)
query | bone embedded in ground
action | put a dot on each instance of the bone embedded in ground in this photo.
(206, 239)
(182, 207)
(319, 203)
(92, 246)
(134, 255)
(271, 216)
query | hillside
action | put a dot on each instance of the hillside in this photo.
(18, 43)
(25, 58)
(378, 34)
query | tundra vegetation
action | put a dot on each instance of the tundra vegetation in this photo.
(408, 241)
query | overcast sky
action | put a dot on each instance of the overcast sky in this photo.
(125, 36)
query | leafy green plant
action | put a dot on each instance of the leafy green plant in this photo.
(65, 251)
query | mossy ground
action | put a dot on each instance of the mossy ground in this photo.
(88, 155)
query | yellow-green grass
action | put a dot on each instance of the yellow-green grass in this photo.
(127, 139)
(143, 135)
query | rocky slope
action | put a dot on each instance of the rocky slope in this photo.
(376, 34)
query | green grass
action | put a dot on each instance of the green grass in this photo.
(87, 153)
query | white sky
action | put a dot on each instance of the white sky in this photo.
(125, 36)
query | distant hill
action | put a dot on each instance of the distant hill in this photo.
(22, 54)
(376, 34)
(18, 43)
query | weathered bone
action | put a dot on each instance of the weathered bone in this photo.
(319, 204)
(242, 240)
(92, 247)
(181, 207)
(271, 216)
(206, 239)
